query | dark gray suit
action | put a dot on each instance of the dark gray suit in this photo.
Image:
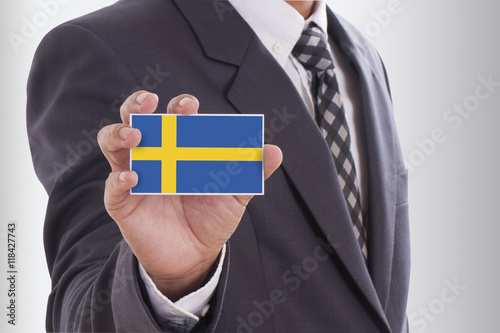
(293, 264)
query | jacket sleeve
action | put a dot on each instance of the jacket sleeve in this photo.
(73, 91)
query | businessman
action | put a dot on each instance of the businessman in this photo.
(326, 249)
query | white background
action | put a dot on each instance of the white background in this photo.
(435, 52)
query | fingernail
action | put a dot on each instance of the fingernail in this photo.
(125, 132)
(141, 97)
(183, 101)
(122, 176)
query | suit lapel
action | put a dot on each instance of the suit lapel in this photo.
(261, 86)
(380, 147)
(303, 149)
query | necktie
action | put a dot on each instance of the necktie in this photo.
(312, 52)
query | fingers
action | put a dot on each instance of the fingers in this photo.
(115, 141)
(139, 102)
(183, 104)
(146, 102)
(272, 159)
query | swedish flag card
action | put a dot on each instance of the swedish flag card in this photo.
(198, 154)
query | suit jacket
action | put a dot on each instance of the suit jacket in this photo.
(293, 264)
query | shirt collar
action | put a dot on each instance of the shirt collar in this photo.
(277, 24)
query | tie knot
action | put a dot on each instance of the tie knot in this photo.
(311, 50)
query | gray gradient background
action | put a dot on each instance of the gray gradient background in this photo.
(435, 53)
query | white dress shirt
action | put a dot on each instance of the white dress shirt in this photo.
(278, 26)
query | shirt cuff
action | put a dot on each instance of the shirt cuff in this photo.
(187, 310)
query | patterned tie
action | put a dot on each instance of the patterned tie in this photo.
(312, 52)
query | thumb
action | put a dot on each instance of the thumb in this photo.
(272, 160)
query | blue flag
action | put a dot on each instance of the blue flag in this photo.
(195, 154)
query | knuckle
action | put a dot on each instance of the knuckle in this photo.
(108, 180)
(112, 179)
(129, 102)
(106, 135)
(101, 135)
(171, 103)
(125, 107)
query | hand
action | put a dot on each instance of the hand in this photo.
(176, 238)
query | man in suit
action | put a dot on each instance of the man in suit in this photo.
(288, 261)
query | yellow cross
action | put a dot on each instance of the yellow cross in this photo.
(169, 154)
